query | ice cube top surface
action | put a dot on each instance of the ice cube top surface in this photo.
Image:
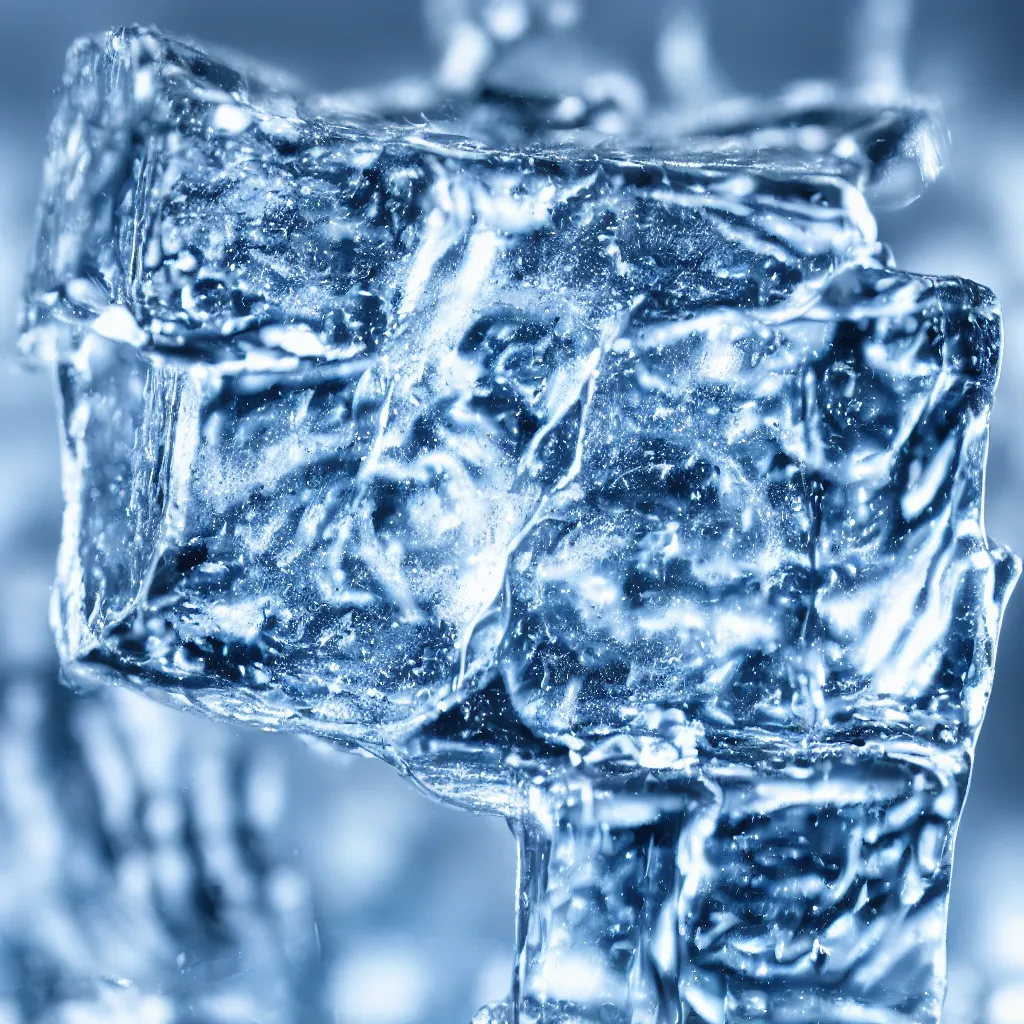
(415, 439)
(216, 210)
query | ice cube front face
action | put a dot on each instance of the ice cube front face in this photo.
(644, 476)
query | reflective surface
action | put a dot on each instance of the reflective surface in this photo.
(931, 262)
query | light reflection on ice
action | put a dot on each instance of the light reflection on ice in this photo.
(25, 560)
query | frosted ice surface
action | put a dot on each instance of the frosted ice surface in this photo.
(368, 425)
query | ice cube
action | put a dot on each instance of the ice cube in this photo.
(361, 418)
(320, 378)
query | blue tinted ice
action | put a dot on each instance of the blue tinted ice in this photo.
(518, 451)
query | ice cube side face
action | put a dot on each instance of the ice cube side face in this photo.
(774, 529)
(358, 417)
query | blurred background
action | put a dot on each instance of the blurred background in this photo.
(140, 878)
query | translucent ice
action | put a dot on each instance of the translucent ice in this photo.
(629, 490)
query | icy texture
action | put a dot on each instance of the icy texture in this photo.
(502, 457)
(813, 894)
(357, 418)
